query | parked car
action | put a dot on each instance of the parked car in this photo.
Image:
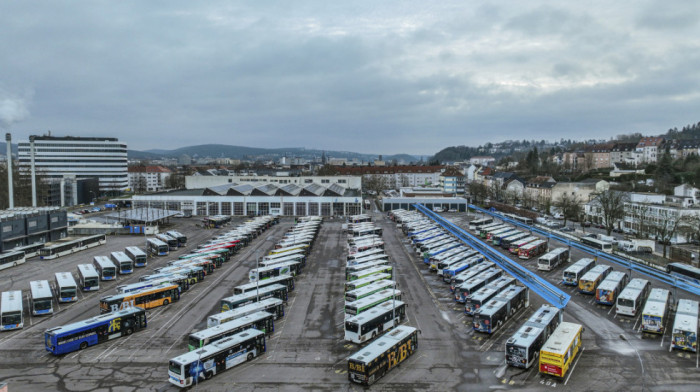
(616, 230)
(567, 229)
(586, 224)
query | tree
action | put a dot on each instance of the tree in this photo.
(690, 227)
(478, 191)
(374, 184)
(569, 205)
(611, 205)
(666, 226)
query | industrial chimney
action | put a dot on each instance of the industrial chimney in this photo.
(10, 191)
(31, 153)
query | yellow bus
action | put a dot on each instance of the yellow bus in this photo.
(590, 280)
(560, 349)
(145, 299)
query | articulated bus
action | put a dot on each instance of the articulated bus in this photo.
(598, 244)
(66, 288)
(361, 305)
(88, 278)
(41, 297)
(552, 259)
(656, 309)
(275, 290)
(145, 299)
(285, 279)
(684, 271)
(590, 281)
(684, 335)
(193, 273)
(559, 351)
(533, 249)
(374, 322)
(95, 330)
(172, 242)
(521, 219)
(356, 284)
(523, 348)
(490, 317)
(124, 264)
(609, 289)
(167, 280)
(274, 306)
(262, 321)
(359, 255)
(300, 258)
(196, 366)
(105, 268)
(384, 269)
(449, 273)
(515, 246)
(278, 251)
(631, 298)
(372, 362)
(287, 268)
(137, 255)
(361, 267)
(505, 242)
(485, 231)
(573, 273)
(56, 249)
(369, 289)
(157, 247)
(11, 259)
(29, 250)
(477, 223)
(11, 310)
(181, 238)
(486, 293)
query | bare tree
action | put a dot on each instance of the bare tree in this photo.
(569, 205)
(690, 227)
(642, 219)
(666, 226)
(611, 205)
(478, 191)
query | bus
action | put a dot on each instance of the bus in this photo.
(105, 268)
(262, 321)
(591, 279)
(356, 284)
(485, 294)
(172, 242)
(67, 246)
(573, 273)
(533, 249)
(210, 360)
(11, 310)
(523, 348)
(124, 264)
(522, 219)
(515, 246)
(99, 329)
(29, 250)
(167, 280)
(631, 298)
(137, 255)
(372, 362)
(369, 289)
(505, 242)
(157, 247)
(475, 283)
(364, 266)
(274, 306)
(684, 335)
(595, 243)
(146, 299)
(384, 269)
(88, 278)
(286, 249)
(235, 301)
(66, 289)
(368, 325)
(193, 273)
(496, 238)
(285, 279)
(477, 223)
(181, 238)
(11, 259)
(609, 289)
(361, 305)
(287, 268)
(297, 257)
(207, 265)
(486, 231)
(469, 273)
(441, 265)
(359, 255)
(490, 317)
(684, 271)
(656, 311)
(41, 297)
(460, 267)
(364, 230)
(552, 259)
(559, 351)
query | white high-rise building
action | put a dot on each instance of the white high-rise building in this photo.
(82, 157)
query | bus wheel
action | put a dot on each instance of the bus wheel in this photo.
(128, 331)
(165, 302)
(83, 345)
(250, 356)
(208, 375)
(374, 335)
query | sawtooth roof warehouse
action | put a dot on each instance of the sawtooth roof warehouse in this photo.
(258, 199)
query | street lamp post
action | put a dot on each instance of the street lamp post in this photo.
(257, 273)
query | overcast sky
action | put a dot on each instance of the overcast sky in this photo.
(368, 76)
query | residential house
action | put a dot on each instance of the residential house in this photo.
(148, 178)
(625, 153)
(452, 181)
(650, 148)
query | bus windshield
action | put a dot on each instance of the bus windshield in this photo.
(174, 367)
(10, 318)
(42, 304)
(352, 327)
(625, 302)
(515, 351)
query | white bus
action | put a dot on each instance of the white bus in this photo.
(656, 309)
(684, 335)
(11, 259)
(477, 223)
(523, 348)
(66, 246)
(365, 291)
(88, 277)
(157, 247)
(605, 246)
(356, 284)
(374, 322)
(573, 273)
(362, 305)
(105, 268)
(181, 238)
(11, 310)
(138, 256)
(262, 321)
(124, 264)
(552, 259)
(42, 297)
(631, 298)
(66, 289)
(197, 365)
(172, 242)
(270, 305)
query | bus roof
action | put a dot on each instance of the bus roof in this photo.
(561, 338)
(553, 253)
(156, 241)
(247, 309)
(217, 346)
(136, 292)
(94, 320)
(686, 316)
(372, 270)
(233, 324)
(252, 285)
(637, 283)
(40, 289)
(379, 346)
(375, 285)
(533, 327)
(104, 261)
(368, 279)
(362, 302)
(612, 280)
(374, 312)
(276, 266)
(64, 279)
(595, 272)
(120, 257)
(253, 294)
(135, 250)
(579, 265)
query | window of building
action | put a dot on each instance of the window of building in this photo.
(226, 208)
(237, 208)
(313, 209)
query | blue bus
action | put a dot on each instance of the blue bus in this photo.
(99, 329)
